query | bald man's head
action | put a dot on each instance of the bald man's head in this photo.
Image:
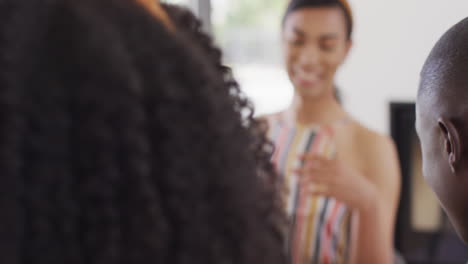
(442, 123)
(446, 68)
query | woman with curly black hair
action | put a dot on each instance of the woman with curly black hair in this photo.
(120, 143)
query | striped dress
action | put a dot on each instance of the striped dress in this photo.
(320, 227)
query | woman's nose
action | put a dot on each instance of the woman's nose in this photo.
(309, 57)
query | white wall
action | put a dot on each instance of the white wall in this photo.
(391, 42)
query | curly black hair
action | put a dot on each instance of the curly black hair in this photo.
(187, 23)
(121, 143)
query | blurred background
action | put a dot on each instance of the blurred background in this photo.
(378, 85)
(391, 41)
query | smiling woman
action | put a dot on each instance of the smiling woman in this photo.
(342, 179)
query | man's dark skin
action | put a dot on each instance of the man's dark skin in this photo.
(442, 123)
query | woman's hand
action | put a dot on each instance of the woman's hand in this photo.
(333, 178)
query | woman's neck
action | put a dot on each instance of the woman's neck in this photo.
(321, 110)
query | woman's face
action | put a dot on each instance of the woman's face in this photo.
(316, 44)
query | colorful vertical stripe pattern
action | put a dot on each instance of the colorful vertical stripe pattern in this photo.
(319, 230)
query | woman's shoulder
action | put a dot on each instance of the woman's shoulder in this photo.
(375, 148)
(371, 138)
(370, 141)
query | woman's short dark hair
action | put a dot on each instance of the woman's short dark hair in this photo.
(121, 143)
(295, 5)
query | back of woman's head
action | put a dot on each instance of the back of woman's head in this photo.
(119, 143)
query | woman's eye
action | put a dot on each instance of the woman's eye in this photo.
(328, 46)
(296, 42)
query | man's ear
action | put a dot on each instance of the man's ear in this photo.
(452, 142)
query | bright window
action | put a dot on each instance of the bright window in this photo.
(249, 33)
(179, 2)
